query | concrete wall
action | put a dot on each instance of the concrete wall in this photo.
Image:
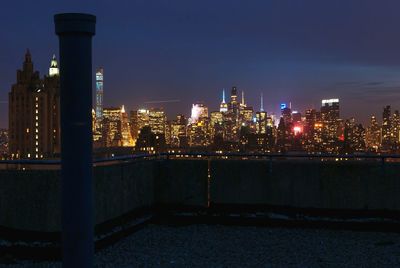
(122, 188)
(30, 200)
(182, 182)
(309, 184)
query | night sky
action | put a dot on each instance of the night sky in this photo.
(298, 51)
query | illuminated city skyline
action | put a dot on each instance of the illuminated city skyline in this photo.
(188, 51)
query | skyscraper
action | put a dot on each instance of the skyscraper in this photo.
(233, 104)
(199, 110)
(223, 108)
(157, 121)
(99, 96)
(138, 119)
(127, 139)
(386, 128)
(373, 135)
(34, 117)
(331, 122)
(178, 132)
(112, 127)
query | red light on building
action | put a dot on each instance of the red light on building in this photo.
(297, 130)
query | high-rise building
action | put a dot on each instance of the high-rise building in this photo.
(3, 143)
(331, 123)
(199, 110)
(386, 128)
(261, 122)
(99, 96)
(395, 128)
(138, 120)
(112, 127)
(149, 142)
(127, 139)
(353, 137)
(223, 107)
(157, 120)
(198, 133)
(286, 114)
(373, 135)
(216, 124)
(34, 113)
(233, 104)
(178, 132)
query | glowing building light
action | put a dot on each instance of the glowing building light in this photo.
(297, 130)
(330, 101)
(198, 111)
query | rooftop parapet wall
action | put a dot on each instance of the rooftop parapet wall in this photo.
(182, 183)
(307, 184)
(30, 199)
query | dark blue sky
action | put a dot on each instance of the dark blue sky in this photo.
(298, 51)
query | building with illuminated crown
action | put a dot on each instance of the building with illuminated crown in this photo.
(99, 97)
(34, 112)
(330, 124)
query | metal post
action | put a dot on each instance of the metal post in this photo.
(75, 33)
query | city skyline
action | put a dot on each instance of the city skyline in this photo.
(274, 109)
(190, 51)
(34, 128)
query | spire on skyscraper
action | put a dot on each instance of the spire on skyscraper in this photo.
(262, 103)
(243, 98)
(28, 56)
(223, 106)
(53, 70)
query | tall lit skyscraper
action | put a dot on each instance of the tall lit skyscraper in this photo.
(127, 139)
(99, 96)
(112, 127)
(157, 120)
(223, 108)
(34, 116)
(386, 128)
(178, 132)
(331, 122)
(233, 104)
(373, 135)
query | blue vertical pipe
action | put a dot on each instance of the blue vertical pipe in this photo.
(75, 33)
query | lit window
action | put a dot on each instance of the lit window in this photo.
(27, 130)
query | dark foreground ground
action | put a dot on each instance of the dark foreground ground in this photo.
(233, 246)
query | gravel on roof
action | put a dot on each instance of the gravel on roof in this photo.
(235, 246)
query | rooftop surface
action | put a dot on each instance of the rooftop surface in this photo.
(234, 246)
